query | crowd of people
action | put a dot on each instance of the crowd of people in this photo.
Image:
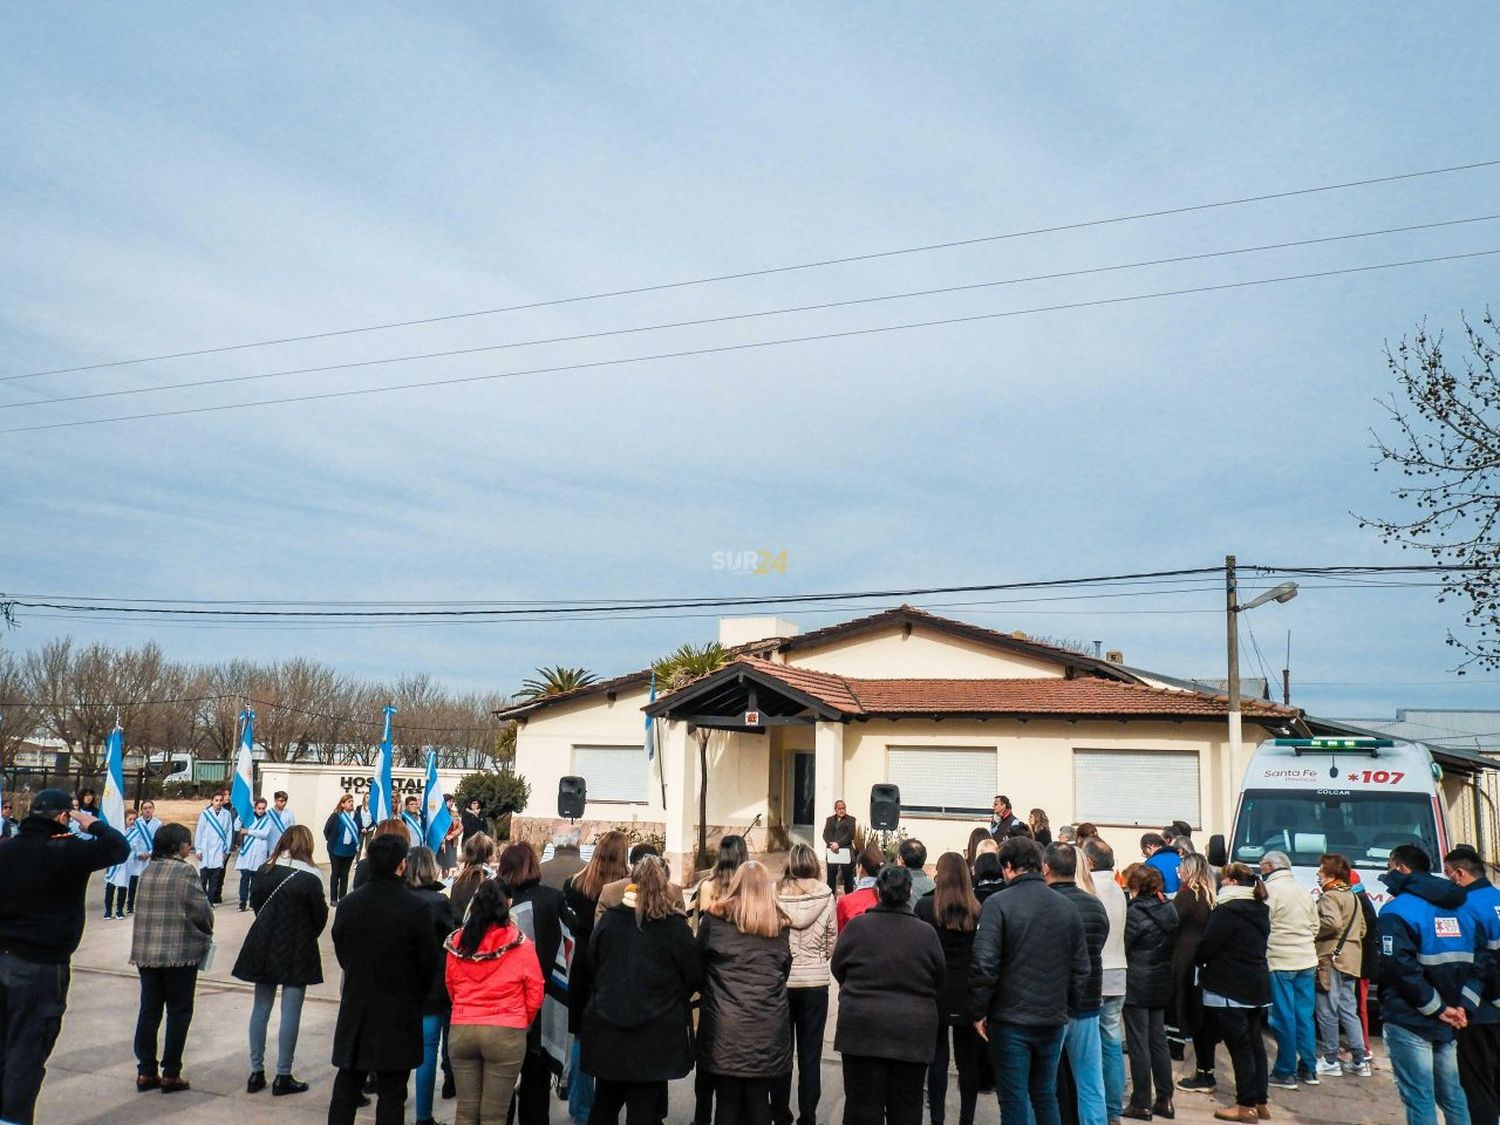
(1029, 964)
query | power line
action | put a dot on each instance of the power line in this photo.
(750, 346)
(741, 275)
(736, 317)
(683, 603)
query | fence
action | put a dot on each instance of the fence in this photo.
(139, 784)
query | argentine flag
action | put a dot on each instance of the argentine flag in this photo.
(242, 788)
(112, 803)
(381, 806)
(435, 812)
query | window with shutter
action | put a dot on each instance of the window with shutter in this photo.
(1144, 788)
(943, 779)
(613, 773)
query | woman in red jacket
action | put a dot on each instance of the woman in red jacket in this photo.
(495, 982)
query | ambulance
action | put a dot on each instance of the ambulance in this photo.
(1357, 797)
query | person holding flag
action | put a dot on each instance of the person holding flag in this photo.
(255, 845)
(120, 880)
(212, 840)
(411, 816)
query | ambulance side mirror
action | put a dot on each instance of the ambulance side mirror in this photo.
(1218, 855)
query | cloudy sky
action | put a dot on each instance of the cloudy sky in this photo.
(176, 177)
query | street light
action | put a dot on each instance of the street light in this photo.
(1282, 594)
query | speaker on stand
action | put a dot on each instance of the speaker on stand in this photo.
(885, 809)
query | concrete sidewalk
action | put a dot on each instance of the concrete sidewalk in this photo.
(91, 1076)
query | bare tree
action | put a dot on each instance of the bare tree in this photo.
(18, 717)
(1446, 448)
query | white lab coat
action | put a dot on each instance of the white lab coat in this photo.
(212, 846)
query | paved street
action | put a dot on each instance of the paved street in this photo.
(91, 1076)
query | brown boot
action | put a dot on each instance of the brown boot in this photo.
(1162, 1107)
(1263, 1112)
(1241, 1113)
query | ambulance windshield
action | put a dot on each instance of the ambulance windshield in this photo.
(1362, 827)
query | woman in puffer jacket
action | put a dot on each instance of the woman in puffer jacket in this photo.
(495, 982)
(808, 901)
(1150, 935)
(744, 1029)
(1236, 985)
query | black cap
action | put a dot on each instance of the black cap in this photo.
(50, 802)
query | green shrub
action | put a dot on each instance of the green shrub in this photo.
(500, 792)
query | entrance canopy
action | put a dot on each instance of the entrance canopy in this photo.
(746, 698)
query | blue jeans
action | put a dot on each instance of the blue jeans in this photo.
(1082, 1041)
(1292, 1023)
(432, 1035)
(1025, 1061)
(1426, 1073)
(1112, 1048)
(580, 1089)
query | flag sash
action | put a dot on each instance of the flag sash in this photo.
(351, 828)
(219, 829)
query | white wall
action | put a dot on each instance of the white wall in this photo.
(313, 791)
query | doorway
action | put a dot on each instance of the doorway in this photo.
(804, 806)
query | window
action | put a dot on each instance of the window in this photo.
(1362, 827)
(1143, 788)
(943, 779)
(613, 773)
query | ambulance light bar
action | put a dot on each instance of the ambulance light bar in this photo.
(1357, 745)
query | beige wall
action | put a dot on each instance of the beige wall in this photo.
(926, 654)
(1035, 768)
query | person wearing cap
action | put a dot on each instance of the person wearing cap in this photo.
(45, 871)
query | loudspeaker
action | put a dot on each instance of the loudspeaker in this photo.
(885, 807)
(572, 793)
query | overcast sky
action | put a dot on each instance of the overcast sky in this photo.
(181, 176)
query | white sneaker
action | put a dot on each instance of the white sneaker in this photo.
(1359, 1069)
(1329, 1069)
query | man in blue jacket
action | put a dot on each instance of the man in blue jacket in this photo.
(1479, 1042)
(1427, 965)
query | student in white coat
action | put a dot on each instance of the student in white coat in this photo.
(119, 880)
(147, 825)
(256, 841)
(282, 817)
(212, 842)
(412, 815)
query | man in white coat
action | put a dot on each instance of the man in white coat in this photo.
(212, 841)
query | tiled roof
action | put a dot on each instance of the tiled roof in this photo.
(1083, 695)
(900, 615)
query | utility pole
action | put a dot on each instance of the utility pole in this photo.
(1232, 637)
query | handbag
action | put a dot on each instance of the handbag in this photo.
(1324, 977)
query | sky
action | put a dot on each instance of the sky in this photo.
(177, 177)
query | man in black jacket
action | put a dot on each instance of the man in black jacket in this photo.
(1017, 997)
(1081, 1042)
(838, 834)
(44, 874)
(383, 937)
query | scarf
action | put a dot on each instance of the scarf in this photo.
(1232, 892)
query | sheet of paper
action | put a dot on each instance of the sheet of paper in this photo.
(836, 857)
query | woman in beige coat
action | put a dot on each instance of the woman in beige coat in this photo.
(808, 902)
(1341, 930)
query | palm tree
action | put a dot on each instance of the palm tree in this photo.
(555, 681)
(675, 670)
